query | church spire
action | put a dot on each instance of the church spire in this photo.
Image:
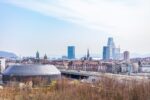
(37, 55)
(88, 54)
(45, 56)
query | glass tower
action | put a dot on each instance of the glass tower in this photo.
(71, 52)
(110, 51)
(105, 53)
(110, 42)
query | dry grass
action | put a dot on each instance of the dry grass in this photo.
(106, 89)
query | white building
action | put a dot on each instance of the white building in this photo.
(2, 64)
(145, 69)
(124, 68)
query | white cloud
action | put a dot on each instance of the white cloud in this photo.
(128, 20)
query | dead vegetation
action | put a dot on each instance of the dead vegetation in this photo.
(106, 89)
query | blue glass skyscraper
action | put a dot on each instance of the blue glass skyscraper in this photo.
(110, 42)
(110, 51)
(71, 52)
(105, 53)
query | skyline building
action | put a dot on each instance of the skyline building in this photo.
(106, 52)
(110, 51)
(71, 52)
(126, 55)
(110, 42)
(116, 53)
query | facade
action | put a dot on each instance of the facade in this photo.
(106, 52)
(2, 64)
(111, 46)
(126, 55)
(116, 53)
(124, 68)
(31, 72)
(144, 69)
(71, 52)
(110, 51)
(110, 42)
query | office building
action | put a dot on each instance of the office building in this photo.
(110, 51)
(126, 55)
(110, 42)
(2, 64)
(116, 53)
(71, 52)
(105, 53)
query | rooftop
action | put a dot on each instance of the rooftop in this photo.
(31, 70)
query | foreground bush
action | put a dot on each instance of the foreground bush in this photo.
(106, 89)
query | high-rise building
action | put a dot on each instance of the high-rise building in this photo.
(126, 55)
(106, 52)
(110, 42)
(110, 51)
(116, 53)
(71, 52)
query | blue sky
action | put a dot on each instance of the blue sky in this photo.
(50, 26)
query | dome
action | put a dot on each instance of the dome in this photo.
(35, 73)
(31, 70)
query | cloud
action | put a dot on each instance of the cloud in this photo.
(125, 19)
(97, 14)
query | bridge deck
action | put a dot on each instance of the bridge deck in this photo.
(99, 74)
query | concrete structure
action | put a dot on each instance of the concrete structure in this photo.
(145, 69)
(86, 74)
(71, 52)
(135, 67)
(124, 68)
(126, 55)
(2, 64)
(30, 72)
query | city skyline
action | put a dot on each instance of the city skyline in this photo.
(111, 51)
(50, 26)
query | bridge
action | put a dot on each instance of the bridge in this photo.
(78, 74)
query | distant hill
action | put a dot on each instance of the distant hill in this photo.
(7, 54)
(136, 55)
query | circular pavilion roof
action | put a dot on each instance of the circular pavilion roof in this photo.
(31, 70)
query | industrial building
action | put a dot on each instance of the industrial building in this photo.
(29, 72)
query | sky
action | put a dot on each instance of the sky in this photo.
(49, 26)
